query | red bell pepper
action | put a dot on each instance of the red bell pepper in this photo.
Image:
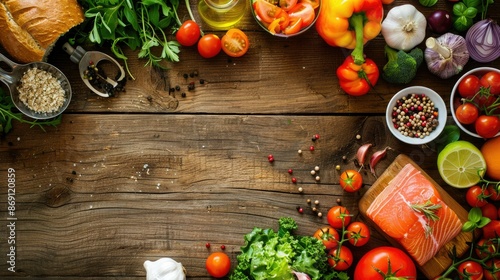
(357, 79)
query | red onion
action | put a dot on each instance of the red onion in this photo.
(483, 41)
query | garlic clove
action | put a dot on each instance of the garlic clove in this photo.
(164, 269)
(361, 153)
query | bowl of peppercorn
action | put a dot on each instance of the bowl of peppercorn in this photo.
(416, 115)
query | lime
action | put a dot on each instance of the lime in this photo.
(460, 164)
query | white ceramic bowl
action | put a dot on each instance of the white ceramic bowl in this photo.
(455, 99)
(438, 104)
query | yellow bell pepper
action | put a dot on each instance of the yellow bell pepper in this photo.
(339, 21)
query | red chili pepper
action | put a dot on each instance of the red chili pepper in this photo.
(357, 79)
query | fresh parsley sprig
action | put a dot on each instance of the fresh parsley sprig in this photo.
(136, 24)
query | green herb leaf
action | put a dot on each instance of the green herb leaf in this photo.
(475, 214)
(470, 12)
(459, 9)
(483, 221)
(427, 3)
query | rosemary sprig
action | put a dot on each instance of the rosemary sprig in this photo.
(429, 209)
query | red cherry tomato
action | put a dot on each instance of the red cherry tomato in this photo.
(494, 193)
(476, 196)
(491, 230)
(188, 34)
(491, 80)
(209, 45)
(489, 211)
(351, 180)
(358, 233)
(495, 266)
(487, 126)
(485, 248)
(329, 236)
(235, 43)
(218, 264)
(467, 113)
(470, 270)
(338, 217)
(302, 10)
(469, 86)
(340, 258)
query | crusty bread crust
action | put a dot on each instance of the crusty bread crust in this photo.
(29, 28)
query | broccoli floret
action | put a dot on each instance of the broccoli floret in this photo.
(402, 66)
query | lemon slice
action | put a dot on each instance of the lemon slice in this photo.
(460, 164)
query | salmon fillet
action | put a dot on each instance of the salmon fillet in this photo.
(411, 211)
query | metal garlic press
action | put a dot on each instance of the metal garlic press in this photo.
(93, 77)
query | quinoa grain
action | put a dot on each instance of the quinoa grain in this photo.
(40, 91)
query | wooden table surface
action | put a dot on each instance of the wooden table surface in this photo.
(150, 174)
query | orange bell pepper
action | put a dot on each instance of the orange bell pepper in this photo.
(357, 79)
(345, 23)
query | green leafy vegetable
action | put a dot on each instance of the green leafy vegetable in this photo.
(8, 112)
(274, 255)
(475, 220)
(467, 11)
(136, 24)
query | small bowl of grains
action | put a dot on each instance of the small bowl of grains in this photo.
(416, 115)
(38, 89)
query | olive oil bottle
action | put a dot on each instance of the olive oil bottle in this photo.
(221, 14)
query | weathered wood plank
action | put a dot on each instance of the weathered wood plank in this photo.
(100, 194)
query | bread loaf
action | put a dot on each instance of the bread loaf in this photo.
(30, 28)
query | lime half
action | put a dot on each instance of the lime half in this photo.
(460, 164)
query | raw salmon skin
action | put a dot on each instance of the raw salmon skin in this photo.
(392, 211)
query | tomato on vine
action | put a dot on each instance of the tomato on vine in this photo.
(494, 273)
(487, 126)
(338, 217)
(476, 196)
(188, 34)
(469, 86)
(491, 80)
(351, 180)
(328, 235)
(358, 233)
(470, 270)
(340, 258)
(467, 113)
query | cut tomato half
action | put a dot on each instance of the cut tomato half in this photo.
(294, 27)
(302, 10)
(266, 11)
(235, 43)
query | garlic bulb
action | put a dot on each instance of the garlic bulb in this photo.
(164, 269)
(404, 27)
(446, 55)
